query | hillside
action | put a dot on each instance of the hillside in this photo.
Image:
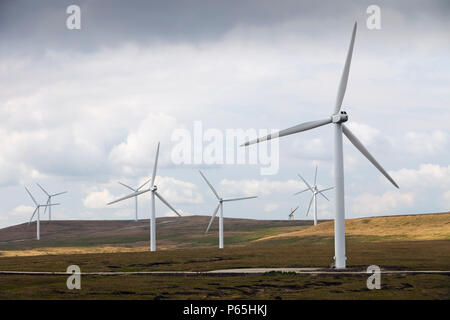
(90, 236)
(71, 237)
(393, 228)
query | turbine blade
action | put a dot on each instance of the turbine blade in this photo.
(237, 199)
(307, 184)
(59, 193)
(323, 196)
(142, 185)
(326, 189)
(155, 166)
(353, 139)
(42, 189)
(295, 129)
(344, 77)
(32, 198)
(301, 191)
(309, 207)
(48, 201)
(294, 210)
(209, 184)
(126, 186)
(315, 177)
(134, 194)
(166, 203)
(212, 218)
(34, 212)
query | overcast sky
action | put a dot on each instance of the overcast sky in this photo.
(83, 109)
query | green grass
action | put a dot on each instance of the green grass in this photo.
(270, 286)
(409, 255)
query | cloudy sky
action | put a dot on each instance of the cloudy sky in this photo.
(83, 109)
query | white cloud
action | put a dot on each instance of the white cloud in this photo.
(364, 132)
(263, 187)
(427, 176)
(178, 191)
(427, 143)
(173, 190)
(269, 207)
(313, 148)
(139, 148)
(98, 199)
(369, 204)
(22, 211)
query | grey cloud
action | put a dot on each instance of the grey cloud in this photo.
(40, 25)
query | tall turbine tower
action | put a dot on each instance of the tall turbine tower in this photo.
(315, 192)
(337, 118)
(153, 189)
(220, 206)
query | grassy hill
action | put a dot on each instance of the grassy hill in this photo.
(122, 236)
(73, 237)
(392, 228)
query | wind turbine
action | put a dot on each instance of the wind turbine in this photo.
(220, 205)
(135, 198)
(49, 200)
(153, 189)
(337, 118)
(315, 191)
(291, 215)
(38, 206)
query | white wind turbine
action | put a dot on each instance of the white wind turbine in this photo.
(291, 215)
(153, 189)
(136, 197)
(49, 200)
(337, 118)
(315, 191)
(38, 220)
(220, 205)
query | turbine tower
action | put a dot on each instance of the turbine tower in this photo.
(136, 197)
(337, 118)
(220, 205)
(49, 200)
(153, 189)
(38, 207)
(291, 215)
(315, 191)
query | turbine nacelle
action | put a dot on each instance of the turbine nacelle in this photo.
(339, 117)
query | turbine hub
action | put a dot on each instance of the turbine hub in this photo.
(154, 188)
(339, 117)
